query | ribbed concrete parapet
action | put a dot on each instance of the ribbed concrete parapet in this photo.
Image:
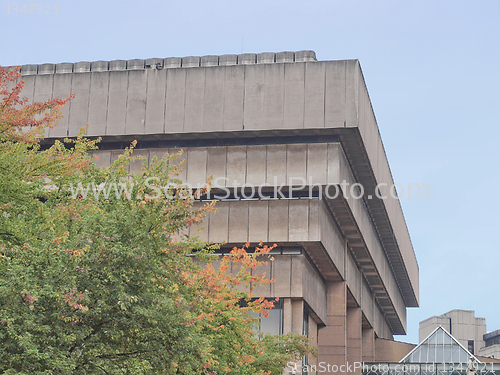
(170, 62)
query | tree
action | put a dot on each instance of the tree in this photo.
(95, 275)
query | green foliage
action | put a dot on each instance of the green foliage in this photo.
(100, 280)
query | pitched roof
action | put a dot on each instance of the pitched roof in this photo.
(439, 347)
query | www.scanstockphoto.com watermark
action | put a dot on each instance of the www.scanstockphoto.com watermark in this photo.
(365, 368)
(223, 189)
(441, 368)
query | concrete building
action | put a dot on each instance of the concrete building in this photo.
(467, 329)
(462, 324)
(491, 348)
(299, 128)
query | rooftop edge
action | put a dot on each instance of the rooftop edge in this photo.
(170, 62)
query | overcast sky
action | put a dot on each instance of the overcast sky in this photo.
(432, 71)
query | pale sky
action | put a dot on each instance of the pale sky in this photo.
(432, 71)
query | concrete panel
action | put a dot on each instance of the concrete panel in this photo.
(299, 215)
(258, 218)
(278, 220)
(136, 165)
(296, 161)
(391, 351)
(314, 291)
(282, 267)
(172, 62)
(117, 102)
(180, 162)
(354, 336)
(256, 165)
(64, 68)
(305, 56)
(29, 87)
(99, 66)
(213, 111)
(352, 79)
(201, 230)
(62, 90)
(228, 60)
(317, 158)
(46, 69)
(238, 222)
(332, 240)
(297, 316)
(314, 226)
(368, 345)
(98, 103)
(154, 63)
(210, 60)
(218, 223)
(82, 67)
(264, 270)
(297, 272)
(254, 97)
(190, 61)
(333, 171)
(27, 70)
(174, 106)
(333, 338)
(159, 153)
(285, 57)
(353, 277)
(234, 90)
(273, 96)
(335, 94)
(136, 64)
(236, 165)
(247, 58)
(266, 58)
(155, 101)
(117, 65)
(78, 114)
(115, 154)
(379, 322)
(136, 102)
(276, 165)
(216, 165)
(293, 116)
(103, 158)
(196, 169)
(367, 302)
(314, 93)
(195, 98)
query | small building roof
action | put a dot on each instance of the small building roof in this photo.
(439, 347)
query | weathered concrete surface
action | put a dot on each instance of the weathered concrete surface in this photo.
(236, 96)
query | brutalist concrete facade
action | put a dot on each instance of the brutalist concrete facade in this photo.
(270, 120)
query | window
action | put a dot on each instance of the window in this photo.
(305, 332)
(272, 324)
(470, 346)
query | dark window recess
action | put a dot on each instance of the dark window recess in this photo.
(110, 144)
(273, 323)
(305, 332)
(470, 346)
